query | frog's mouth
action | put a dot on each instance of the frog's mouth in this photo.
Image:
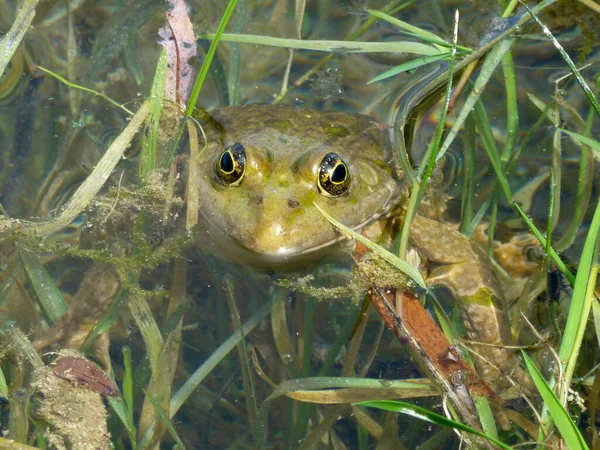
(248, 251)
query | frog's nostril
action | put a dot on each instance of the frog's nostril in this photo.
(293, 203)
(258, 200)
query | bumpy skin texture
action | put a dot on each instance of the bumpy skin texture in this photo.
(270, 217)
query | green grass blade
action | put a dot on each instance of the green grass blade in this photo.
(578, 314)
(425, 35)
(83, 88)
(148, 154)
(565, 424)
(489, 143)
(486, 416)
(3, 386)
(218, 355)
(48, 297)
(540, 237)
(410, 65)
(164, 417)
(12, 39)
(586, 89)
(322, 383)
(592, 143)
(428, 416)
(119, 406)
(487, 69)
(401, 265)
(128, 393)
(110, 316)
(417, 48)
(208, 59)
(512, 110)
(466, 201)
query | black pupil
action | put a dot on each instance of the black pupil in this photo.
(226, 162)
(339, 174)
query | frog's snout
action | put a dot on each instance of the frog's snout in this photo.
(279, 225)
(292, 202)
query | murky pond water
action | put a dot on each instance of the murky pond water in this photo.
(198, 269)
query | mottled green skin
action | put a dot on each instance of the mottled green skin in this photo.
(270, 217)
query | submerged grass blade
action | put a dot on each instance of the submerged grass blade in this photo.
(403, 266)
(416, 48)
(303, 385)
(119, 406)
(147, 160)
(408, 66)
(593, 143)
(217, 356)
(162, 414)
(3, 386)
(92, 184)
(48, 297)
(586, 89)
(11, 40)
(416, 31)
(83, 88)
(144, 319)
(565, 424)
(429, 416)
(208, 58)
(540, 237)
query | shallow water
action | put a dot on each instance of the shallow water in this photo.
(52, 136)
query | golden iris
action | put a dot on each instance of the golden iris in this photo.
(334, 176)
(231, 165)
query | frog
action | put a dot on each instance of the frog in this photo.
(262, 173)
(266, 169)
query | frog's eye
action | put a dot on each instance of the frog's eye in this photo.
(334, 176)
(231, 165)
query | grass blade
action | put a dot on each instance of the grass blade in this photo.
(3, 386)
(198, 376)
(83, 88)
(401, 265)
(48, 297)
(208, 59)
(586, 89)
(417, 48)
(593, 143)
(11, 41)
(408, 66)
(415, 31)
(428, 416)
(565, 424)
(148, 154)
(164, 417)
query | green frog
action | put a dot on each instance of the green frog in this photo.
(265, 167)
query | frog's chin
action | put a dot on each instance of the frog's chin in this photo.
(279, 259)
(286, 259)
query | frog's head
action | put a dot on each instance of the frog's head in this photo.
(266, 166)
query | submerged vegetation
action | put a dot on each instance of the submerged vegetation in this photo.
(492, 117)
